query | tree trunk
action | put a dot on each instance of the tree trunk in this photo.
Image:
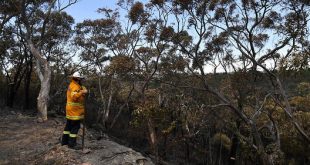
(15, 84)
(233, 150)
(101, 110)
(10, 95)
(153, 138)
(265, 159)
(44, 73)
(13, 88)
(104, 114)
(187, 151)
(107, 109)
(122, 107)
(27, 83)
(43, 97)
(235, 144)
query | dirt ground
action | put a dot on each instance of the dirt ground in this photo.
(25, 141)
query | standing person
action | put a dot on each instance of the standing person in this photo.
(74, 110)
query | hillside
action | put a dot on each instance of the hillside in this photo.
(24, 141)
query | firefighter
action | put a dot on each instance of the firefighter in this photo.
(74, 110)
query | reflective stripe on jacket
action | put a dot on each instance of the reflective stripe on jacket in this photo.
(75, 101)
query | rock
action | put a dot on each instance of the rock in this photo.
(86, 151)
(86, 163)
(40, 120)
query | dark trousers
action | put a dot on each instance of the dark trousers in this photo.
(70, 132)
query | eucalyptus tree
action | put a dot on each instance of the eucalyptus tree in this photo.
(12, 48)
(239, 33)
(165, 47)
(12, 62)
(154, 31)
(8, 11)
(262, 34)
(42, 26)
(250, 24)
(48, 30)
(165, 39)
(101, 40)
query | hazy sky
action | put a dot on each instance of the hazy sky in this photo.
(87, 9)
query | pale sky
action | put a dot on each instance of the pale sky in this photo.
(87, 9)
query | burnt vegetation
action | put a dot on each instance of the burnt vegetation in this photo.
(184, 81)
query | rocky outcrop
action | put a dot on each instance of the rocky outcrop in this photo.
(24, 141)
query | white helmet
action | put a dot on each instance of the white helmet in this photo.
(77, 75)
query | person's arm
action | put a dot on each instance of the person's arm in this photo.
(76, 93)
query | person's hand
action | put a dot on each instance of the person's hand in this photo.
(84, 91)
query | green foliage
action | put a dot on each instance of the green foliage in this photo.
(184, 4)
(136, 12)
(150, 107)
(150, 33)
(221, 139)
(182, 38)
(158, 2)
(294, 147)
(10, 7)
(170, 128)
(121, 65)
(172, 63)
(167, 33)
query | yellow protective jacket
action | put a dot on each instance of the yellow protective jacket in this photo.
(75, 101)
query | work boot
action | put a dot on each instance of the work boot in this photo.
(76, 147)
(72, 142)
(65, 139)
